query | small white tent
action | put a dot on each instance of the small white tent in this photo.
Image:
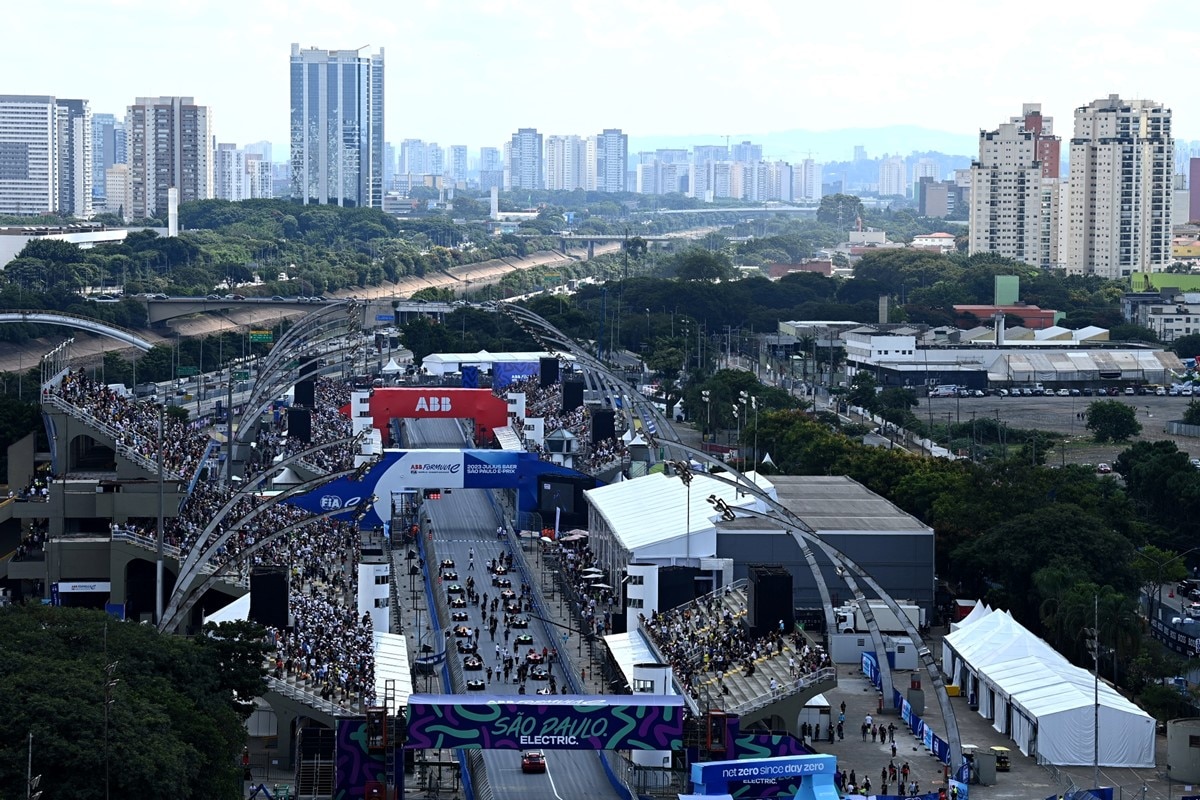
(391, 368)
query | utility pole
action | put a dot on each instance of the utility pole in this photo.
(31, 780)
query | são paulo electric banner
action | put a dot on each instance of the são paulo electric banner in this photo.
(502, 722)
(422, 469)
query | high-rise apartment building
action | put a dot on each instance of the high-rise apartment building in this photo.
(746, 152)
(389, 166)
(1049, 146)
(611, 157)
(491, 168)
(892, 181)
(29, 153)
(924, 168)
(1006, 195)
(337, 138)
(118, 191)
(169, 141)
(566, 163)
(458, 163)
(1120, 188)
(45, 155)
(523, 167)
(75, 158)
(229, 173)
(108, 148)
(704, 153)
(806, 185)
(239, 174)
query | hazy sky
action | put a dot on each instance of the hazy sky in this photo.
(471, 72)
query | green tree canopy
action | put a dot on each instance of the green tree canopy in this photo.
(177, 713)
(1112, 421)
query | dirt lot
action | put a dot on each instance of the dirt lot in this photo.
(1058, 414)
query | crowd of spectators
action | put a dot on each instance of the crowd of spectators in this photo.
(545, 403)
(38, 488)
(134, 424)
(705, 637)
(595, 600)
(329, 645)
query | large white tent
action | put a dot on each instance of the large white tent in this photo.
(1044, 702)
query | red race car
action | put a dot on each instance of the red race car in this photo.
(533, 761)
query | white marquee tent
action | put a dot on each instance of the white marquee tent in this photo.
(1045, 703)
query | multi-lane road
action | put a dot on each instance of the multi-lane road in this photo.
(464, 522)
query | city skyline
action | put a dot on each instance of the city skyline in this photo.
(636, 66)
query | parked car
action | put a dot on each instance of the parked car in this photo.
(1063, 393)
(1103, 469)
(1130, 391)
(1160, 392)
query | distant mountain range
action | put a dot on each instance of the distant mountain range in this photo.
(825, 146)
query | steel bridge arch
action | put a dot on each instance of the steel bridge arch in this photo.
(78, 322)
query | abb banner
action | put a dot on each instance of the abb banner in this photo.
(488, 411)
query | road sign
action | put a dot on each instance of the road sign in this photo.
(243, 375)
(186, 372)
(262, 336)
(384, 318)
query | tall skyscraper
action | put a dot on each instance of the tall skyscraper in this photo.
(75, 158)
(337, 127)
(524, 160)
(108, 148)
(612, 157)
(458, 163)
(389, 166)
(118, 191)
(566, 163)
(1120, 195)
(28, 154)
(1006, 206)
(169, 141)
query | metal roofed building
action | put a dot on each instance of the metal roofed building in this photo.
(660, 534)
(894, 547)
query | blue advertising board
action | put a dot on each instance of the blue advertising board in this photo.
(426, 469)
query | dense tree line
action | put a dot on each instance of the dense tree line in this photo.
(177, 711)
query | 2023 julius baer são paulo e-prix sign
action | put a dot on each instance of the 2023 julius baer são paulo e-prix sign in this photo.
(501, 722)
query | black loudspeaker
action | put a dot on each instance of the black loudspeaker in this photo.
(305, 394)
(269, 596)
(572, 395)
(299, 421)
(602, 426)
(548, 371)
(769, 599)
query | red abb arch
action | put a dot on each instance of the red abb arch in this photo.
(488, 411)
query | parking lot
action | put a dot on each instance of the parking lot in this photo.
(1061, 415)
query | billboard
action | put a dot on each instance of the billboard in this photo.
(488, 411)
(502, 722)
(422, 469)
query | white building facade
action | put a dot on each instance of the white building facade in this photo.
(1006, 195)
(1121, 189)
